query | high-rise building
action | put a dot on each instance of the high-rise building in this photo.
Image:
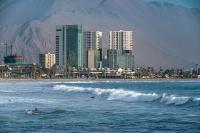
(70, 46)
(121, 40)
(47, 60)
(93, 44)
(93, 39)
(120, 53)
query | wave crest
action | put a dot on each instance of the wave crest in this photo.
(172, 99)
(129, 95)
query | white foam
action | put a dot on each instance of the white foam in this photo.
(113, 94)
(171, 99)
(128, 95)
(197, 99)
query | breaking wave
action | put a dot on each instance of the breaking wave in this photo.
(129, 96)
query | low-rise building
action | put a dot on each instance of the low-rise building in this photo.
(13, 59)
(47, 60)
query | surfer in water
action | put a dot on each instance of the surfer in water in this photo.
(92, 97)
(33, 111)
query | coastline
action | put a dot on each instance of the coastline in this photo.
(81, 79)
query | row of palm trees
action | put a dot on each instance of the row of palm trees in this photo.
(3, 70)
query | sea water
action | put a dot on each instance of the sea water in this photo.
(112, 106)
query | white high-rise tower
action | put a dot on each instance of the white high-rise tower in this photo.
(121, 40)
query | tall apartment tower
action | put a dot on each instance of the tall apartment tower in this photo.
(93, 39)
(47, 60)
(120, 53)
(121, 40)
(93, 44)
(70, 46)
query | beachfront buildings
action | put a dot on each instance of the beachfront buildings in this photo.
(70, 48)
(120, 53)
(75, 48)
(47, 60)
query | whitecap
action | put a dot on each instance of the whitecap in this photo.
(113, 94)
(196, 99)
(129, 95)
(172, 99)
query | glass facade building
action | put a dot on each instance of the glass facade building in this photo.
(69, 46)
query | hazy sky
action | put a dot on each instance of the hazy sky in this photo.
(187, 3)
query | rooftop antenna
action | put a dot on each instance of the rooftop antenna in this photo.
(6, 44)
(196, 67)
(11, 46)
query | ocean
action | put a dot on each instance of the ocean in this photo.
(110, 106)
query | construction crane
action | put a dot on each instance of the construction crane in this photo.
(7, 48)
(11, 58)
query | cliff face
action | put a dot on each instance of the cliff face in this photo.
(164, 34)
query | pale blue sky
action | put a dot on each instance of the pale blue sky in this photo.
(187, 3)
